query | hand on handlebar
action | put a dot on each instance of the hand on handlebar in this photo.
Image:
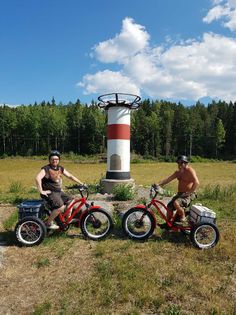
(155, 187)
(83, 187)
(158, 189)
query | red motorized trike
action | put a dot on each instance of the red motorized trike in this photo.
(94, 222)
(140, 222)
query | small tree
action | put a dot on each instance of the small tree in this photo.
(219, 135)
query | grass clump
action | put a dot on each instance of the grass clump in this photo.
(43, 308)
(218, 193)
(220, 199)
(173, 310)
(16, 187)
(10, 222)
(123, 192)
(41, 262)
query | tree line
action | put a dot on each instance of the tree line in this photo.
(159, 129)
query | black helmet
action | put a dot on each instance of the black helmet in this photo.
(54, 153)
(182, 158)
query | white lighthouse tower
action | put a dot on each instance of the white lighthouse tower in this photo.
(118, 106)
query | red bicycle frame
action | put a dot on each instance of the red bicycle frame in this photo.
(70, 213)
(169, 218)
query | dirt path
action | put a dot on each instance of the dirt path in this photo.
(5, 212)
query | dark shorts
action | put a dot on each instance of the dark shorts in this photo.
(57, 199)
(182, 201)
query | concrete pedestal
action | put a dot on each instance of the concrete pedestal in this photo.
(109, 184)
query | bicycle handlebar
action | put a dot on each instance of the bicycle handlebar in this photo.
(155, 189)
(83, 188)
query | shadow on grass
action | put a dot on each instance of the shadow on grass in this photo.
(174, 237)
(7, 238)
(164, 236)
(161, 236)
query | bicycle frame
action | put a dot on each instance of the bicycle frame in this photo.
(169, 218)
(94, 222)
(70, 213)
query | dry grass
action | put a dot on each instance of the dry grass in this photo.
(33, 278)
(25, 170)
(208, 173)
(165, 275)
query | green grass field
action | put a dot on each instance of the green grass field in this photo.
(217, 181)
(166, 275)
(25, 170)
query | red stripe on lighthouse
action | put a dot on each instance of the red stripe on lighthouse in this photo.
(118, 131)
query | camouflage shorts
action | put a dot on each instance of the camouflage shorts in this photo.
(182, 201)
(56, 200)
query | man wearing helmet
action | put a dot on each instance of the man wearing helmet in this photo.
(49, 184)
(187, 185)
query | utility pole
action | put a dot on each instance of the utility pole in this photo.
(190, 146)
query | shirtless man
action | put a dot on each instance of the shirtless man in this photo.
(187, 185)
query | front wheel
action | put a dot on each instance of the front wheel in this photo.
(138, 223)
(96, 224)
(30, 231)
(204, 235)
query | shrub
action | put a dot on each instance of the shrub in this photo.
(123, 192)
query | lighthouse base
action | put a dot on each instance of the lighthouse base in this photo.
(109, 184)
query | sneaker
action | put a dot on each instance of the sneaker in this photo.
(52, 226)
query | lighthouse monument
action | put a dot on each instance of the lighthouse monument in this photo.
(118, 106)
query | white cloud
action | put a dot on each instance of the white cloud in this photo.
(223, 10)
(215, 2)
(216, 13)
(203, 67)
(132, 39)
(108, 82)
(189, 70)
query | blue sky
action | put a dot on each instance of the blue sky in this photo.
(181, 50)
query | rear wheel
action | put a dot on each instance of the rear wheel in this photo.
(96, 224)
(30, 231)
(204, 235)
(138, 223)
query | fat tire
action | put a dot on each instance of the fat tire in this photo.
(89, 234)
(196, 229)
(24, 240)
(129, 233)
